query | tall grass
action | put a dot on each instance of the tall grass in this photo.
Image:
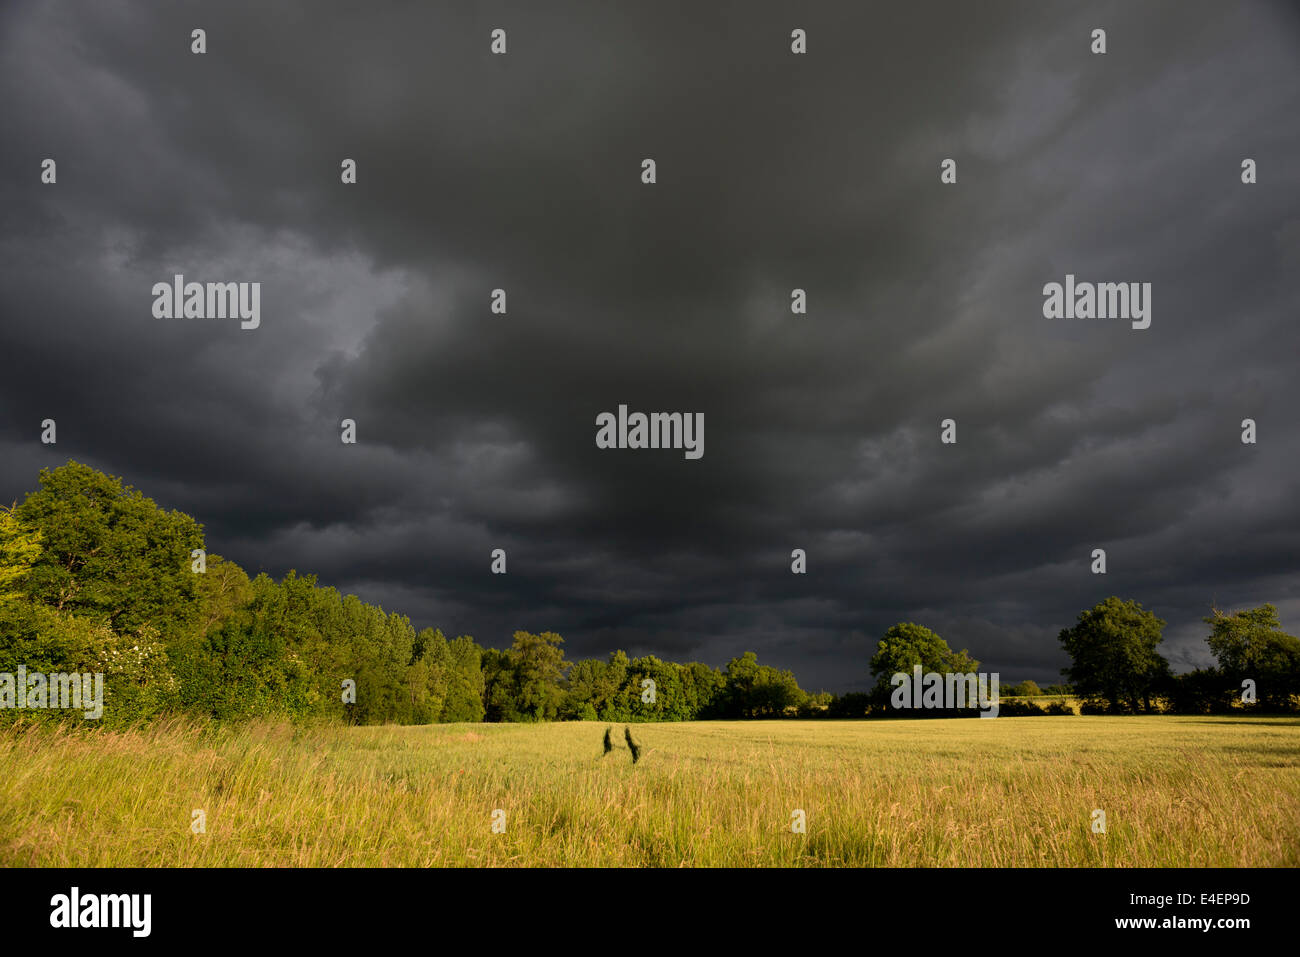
(1176, 791)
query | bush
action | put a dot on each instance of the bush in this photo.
(1018, 709)
(138, 682)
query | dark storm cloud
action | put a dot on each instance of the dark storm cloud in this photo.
(775, 172)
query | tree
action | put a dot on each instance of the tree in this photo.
(464, 701)
(1202, 691)
(427, 676)
(1251, 644)
(854, 704)
(753, 690)
(137, 682)
(906, 645)
(500, 687)
(742, 676)
(110, 553)
(20, 547)
(703, 686)
(669, 702)
(778, 693)
(539, 668)
(580, 690)
(1113, 647)
(817, 705)
(608, 688)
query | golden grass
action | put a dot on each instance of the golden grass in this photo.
(1177, 791)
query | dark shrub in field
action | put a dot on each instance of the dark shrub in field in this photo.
(1018, 709)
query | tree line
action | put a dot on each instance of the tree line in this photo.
(95, 577)
(1116, 667)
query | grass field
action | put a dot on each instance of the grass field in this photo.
(1176, 791)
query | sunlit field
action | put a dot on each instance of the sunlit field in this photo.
(1176, 791)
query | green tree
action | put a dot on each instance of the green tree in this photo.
(20, 548)
(906, 645)
(539, 669)
(703, 686)
(1026, 689)
(1251, 644)
(1113, 648)
(580, 689)
(428, 675)
(668, 702)
(500, 687)
(608, 698)
(464, 701)
(753, 690)
(240, 669)
(110, 553)
(817, 705)
(742, 677)
(137, 682)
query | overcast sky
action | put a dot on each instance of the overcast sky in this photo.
(775, 171)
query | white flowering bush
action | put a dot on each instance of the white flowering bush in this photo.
(138, 680)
